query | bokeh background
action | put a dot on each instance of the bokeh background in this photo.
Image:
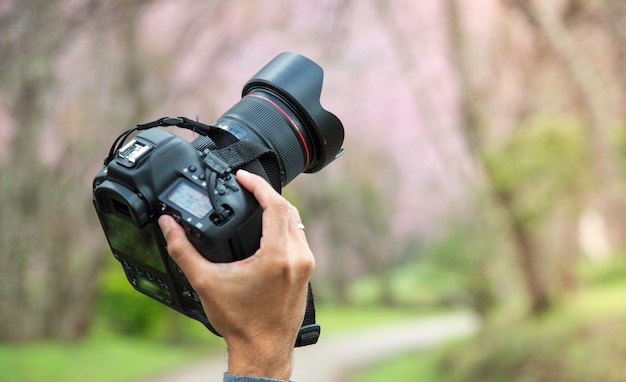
(484, 171)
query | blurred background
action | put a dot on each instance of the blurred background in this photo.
(484, 172)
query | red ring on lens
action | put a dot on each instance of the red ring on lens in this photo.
(293, 124)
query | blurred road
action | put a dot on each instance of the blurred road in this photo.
(334, 356)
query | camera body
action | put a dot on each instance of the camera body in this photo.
(160, 173)
(277, 130)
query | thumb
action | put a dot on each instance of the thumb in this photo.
(180, 249)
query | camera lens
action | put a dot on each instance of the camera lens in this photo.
(280, 109)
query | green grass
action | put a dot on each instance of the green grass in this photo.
(412, 367)
(99, 358)
(107, 357)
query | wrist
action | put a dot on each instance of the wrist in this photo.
(268, 360)
(237, 378)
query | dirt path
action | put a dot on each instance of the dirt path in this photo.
(334, 355)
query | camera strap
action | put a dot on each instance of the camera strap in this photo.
(253, 158)
(237, 154)
(310, 330)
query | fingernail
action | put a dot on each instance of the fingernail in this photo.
(165, 224)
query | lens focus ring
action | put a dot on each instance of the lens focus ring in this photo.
(269, 121)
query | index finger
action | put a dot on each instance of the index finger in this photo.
(259, 187)
(280, 218)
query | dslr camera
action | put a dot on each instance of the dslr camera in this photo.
(277, 130)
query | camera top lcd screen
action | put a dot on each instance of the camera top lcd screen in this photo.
(191, 199)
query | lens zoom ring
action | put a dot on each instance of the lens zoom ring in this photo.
(271, 124)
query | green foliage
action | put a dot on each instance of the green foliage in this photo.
(332, 205)
(457, 271)
(565, 345)
(618, 139)
(542, 163)
(471, 260)
(604, 272)
(416, 285)
(125, 311)
(583, 339)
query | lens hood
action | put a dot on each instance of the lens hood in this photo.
(298, 82)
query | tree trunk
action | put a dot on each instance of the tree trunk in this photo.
(529, 257)
(528, 253)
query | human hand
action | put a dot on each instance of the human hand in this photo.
(257, 304)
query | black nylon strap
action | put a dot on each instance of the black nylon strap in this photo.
(310, 330)
(254, 158)
(182, 122)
